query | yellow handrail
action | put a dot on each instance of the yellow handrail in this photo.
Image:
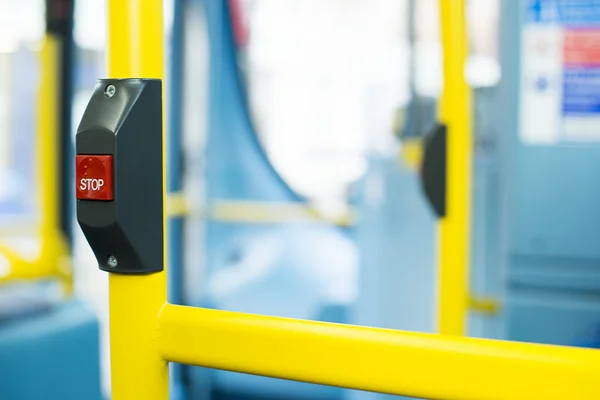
(54, 259)
(414, 364)
(454, 228)
(257, 212)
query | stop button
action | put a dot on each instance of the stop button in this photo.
(94, 177)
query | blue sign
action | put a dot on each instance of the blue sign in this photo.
(581, 92)
(564, 12)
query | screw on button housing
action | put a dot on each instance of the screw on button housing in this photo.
(112, 261)
(110, 90)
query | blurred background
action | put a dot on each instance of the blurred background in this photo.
(295, 132)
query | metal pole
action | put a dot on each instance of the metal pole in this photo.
(50, 121)
(454, 228)
(135, 50)
(59, 25)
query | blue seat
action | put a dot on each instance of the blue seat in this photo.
(49, 351)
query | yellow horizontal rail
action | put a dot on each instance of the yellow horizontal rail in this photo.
(395, 362)
(12, 230)
(21, 269)
(53, 262)
(256, 212)
(265, 212)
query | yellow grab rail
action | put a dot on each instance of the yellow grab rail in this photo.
(257, 212)
(54, 259)
(147, 332)
(54, 249)
(454, 228)
(404, 363)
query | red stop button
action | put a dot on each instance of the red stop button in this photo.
(94, 177)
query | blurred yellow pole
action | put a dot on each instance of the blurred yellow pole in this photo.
(135, 50)
(454, 228)
(54, 258)
(47, 131)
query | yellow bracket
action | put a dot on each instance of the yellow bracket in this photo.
(177, 205)
(485, 305)
(411, 153)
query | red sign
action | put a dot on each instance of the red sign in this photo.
(94, 177)
(582, 47)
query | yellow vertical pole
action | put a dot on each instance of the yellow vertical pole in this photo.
(47, 132)
(54, 252)
(135, 50)
(454, 228)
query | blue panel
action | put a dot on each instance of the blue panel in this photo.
(549, 197)
(555, 202)
(554, 193)
(546, 317)
(567, 275)
(51, 356)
